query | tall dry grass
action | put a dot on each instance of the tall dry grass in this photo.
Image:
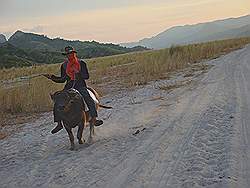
(155, 64)
(119, 71)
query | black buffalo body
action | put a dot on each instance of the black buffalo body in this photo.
(70, 107)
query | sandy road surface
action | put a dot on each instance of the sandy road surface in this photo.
(195, 136)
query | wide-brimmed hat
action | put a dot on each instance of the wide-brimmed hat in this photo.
(69, 50)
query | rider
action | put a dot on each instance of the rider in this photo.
(74, 71)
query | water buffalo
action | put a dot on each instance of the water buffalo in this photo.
(72, 110)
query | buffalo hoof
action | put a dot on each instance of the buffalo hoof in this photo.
(72, 148)
(81, 141)
(90, 140)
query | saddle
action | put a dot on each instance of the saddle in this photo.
(92, 95)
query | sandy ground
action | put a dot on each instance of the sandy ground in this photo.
(196, 135)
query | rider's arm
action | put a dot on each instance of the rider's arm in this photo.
(60, 79)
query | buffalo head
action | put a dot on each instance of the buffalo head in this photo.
(65, 100)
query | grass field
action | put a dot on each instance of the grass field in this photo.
(120, 71)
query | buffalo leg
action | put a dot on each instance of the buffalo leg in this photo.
(79, 133)
(71, 138)
(91, 130)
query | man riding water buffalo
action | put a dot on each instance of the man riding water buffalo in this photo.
(74, 72)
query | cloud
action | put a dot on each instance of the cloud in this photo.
(123, 23)
(36, 29)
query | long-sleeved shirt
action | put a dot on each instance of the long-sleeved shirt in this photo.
(80, 80)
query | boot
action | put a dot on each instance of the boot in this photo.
(57, 128)
(96, 122)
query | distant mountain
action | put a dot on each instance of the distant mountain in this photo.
(203, 32)
(25, 49)
(30, 41)
(12, 56)
(2, 38)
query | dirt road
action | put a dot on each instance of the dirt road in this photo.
(197, 135)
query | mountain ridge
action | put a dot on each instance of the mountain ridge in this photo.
(187, 34)
(86, 49)
(25, 49)
(2, 38)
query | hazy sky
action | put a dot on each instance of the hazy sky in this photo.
(111, 20)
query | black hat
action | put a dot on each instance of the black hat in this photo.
(69, 50)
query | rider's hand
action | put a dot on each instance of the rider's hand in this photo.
(49, 76)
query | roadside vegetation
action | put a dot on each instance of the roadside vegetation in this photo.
(21, 95)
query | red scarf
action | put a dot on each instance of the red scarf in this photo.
(73, 66)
